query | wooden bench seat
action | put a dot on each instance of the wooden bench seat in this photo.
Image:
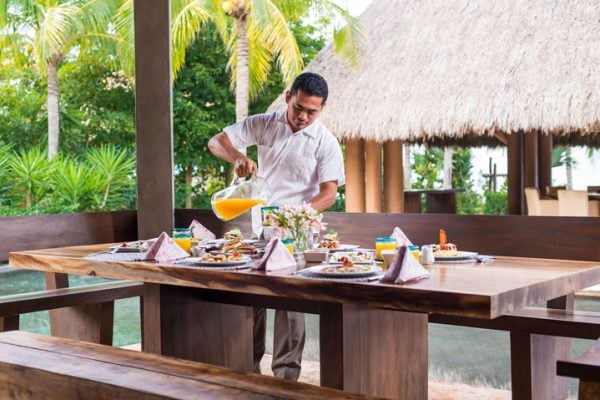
(50, 368)
(585, 368)
(102, 294)
(535, 320)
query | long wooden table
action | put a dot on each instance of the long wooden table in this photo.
(373, 336)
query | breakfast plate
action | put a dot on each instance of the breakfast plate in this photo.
(357, 257)
(461, 255)
(343, 247)
(338, 271)
(224, 263)
(138, 246)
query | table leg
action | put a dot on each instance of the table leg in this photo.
(383, 353)
(533, 361)
(178, 322)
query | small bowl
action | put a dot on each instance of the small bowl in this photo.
(198, 251)
(316, 255)
(388, 255)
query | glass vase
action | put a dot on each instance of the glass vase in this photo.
(302, 239)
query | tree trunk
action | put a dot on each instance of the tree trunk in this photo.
(447, 183)
(53, 111)
(406, 166)
(188, 187)
(242, 77)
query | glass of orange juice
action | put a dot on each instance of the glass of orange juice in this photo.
(183, 238)
(384, 243)
(289, 243)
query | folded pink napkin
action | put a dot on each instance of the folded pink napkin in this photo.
(404, 268)
(165, 249)
(276, 257)
(401, 238)
(200, 231)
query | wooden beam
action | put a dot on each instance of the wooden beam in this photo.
(355, 175)
(530, 160)
(153, 110)
(393, 180)
(373, 177)
(544, 161)
(515, 173)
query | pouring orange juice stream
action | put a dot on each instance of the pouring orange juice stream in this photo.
(228, 209)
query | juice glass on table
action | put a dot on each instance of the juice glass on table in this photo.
(289, 244)
(183, 238)
(382, 243)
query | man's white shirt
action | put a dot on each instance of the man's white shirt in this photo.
(294, 164)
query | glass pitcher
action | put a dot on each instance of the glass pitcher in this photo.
(240, 196)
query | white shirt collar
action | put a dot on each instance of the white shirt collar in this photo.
(309, 130)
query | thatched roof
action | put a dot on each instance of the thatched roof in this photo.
(439, 70)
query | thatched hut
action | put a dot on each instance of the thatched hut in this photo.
(477, 73)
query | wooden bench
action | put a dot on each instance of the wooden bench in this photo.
(585, 368)
(84, 313)
(532, 330)
(99, 330)
(49, 368)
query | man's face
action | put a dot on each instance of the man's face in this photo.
(303, 109)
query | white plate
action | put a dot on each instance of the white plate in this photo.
(462, 255)
(198, 261)
(133, 247)
(319, 270)
(220, 242)
(357, 257)
(343, 247)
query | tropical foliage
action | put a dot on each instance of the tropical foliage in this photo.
(102, 180)
(49, 30)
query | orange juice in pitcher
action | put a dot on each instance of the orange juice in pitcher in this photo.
(227, 209)
(239, 197)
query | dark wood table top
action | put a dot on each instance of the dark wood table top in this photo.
(484, 290)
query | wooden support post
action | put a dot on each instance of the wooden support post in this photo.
(544, 161)
(393, 186)
(355, 175)
(153, 110)
(530, 160)
(373, 177)
(515, 173)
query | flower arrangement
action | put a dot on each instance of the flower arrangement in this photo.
(300, 222)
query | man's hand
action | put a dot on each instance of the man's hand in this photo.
(244, 166)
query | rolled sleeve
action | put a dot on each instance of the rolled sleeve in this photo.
(331, 163)
(244, 133)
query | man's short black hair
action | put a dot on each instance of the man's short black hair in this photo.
(311, 84)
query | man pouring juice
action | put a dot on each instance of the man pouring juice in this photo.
(301, 161)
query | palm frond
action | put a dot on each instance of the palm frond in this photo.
(54, 31)
(269, 25)
(186, 21)
(123, 23)
(350, 40)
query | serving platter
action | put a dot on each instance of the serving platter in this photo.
(337, 271)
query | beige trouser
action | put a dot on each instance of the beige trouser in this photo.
(288, 342)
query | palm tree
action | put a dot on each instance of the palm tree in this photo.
(256, 33)
(55, 30)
